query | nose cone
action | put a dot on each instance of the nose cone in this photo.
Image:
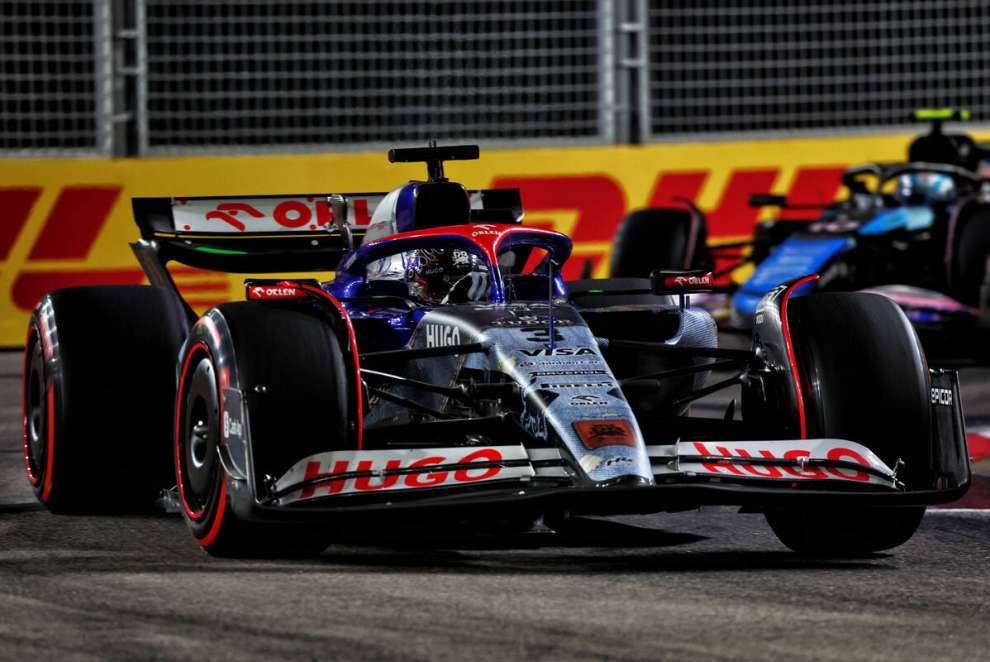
(614, 463)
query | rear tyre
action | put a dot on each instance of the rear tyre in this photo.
(649, 239)
(304, 396)
(98, 387)
(864, 378)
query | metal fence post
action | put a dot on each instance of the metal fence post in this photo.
(141, 88)
(632, 63)
(103, 76)
(608, 108)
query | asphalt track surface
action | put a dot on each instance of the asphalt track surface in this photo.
(712, 584)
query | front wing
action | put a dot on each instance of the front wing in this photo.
(688, 474)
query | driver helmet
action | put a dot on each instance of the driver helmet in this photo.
(446, 275)
(924, 187)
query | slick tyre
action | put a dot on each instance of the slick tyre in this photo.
(649, 239)
(972, 251)
(297, 360)
(99, 368)
(864, 378)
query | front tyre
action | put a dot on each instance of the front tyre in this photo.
(864, 378)
(303, 409)
(845, 531)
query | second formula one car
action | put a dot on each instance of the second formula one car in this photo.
(917, 232)
(447, 373)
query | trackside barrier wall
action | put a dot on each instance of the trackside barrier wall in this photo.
(68, 222)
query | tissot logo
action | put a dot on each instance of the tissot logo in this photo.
(558, 351)
(442, 335)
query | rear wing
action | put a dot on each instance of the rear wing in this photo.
(275, 233)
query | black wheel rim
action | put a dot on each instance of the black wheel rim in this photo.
(36, 411)
(200, 438)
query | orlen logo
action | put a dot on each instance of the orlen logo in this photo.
(674, 282)
(289, 214)
(280, 292)
(314, 471)
(769, 471)
(484, 228)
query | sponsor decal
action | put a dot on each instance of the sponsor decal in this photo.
(838, 226)
(400, 470)
(588, 400)
(263, 214)
(484, 229)
(942, 396)
(442, 335)
(231, 426)
(283, 291)
(830, 449)
(561, 364)
(613, 432)
(558, 351)
(529, 322)
(676, 282)
(565, 373)
(578, 385)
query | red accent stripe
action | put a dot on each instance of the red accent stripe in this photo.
(15, 208)
(178, 411)
(354, 353)
(46, 490)
(802, 420)
(24, 404)
(74, 222)
(214, 531)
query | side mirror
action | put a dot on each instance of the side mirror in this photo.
(767, 200)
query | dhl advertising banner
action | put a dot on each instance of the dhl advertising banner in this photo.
(68, 222)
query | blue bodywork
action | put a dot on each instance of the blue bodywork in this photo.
(807, 253)
(795, 257)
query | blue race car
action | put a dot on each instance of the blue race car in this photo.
(917, 232)
(446, 373)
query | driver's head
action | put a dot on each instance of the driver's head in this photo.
(433, 272)
(924, 187)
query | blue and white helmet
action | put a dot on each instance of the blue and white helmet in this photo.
(924, 187)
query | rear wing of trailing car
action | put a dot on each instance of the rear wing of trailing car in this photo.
(274, 233)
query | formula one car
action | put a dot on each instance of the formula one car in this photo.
(446, 373)
(917, 232)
